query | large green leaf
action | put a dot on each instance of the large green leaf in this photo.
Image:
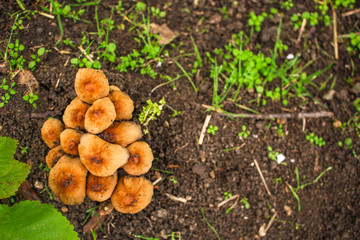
(34, 220)
(12, 172)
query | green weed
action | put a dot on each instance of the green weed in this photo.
(318, 141)
(150, 112)
(272, 154)
(301, 186)
(287, 4)
(8, 92)
(36, 58)
(245, 202)
(212, 129)
(244, 133)
(31, 98)
(207, 222)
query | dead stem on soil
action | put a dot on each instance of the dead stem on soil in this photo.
(157, 181)
(203, 130)
(336, 45)
(174, 198)
(262, 177)
(182, 147)
(60, 75)
(342, 36)
(86, 55)
(273, 115)
(301, 31)
(228, 200)
(263, 230)
(350, 12)
(98, 219)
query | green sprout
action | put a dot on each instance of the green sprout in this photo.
(245, 133)
(36, 58)
(245, 202)
(9, 91)
(173, 180)
(31, 98)
(156, 12)
(150, 112)
(272, 154)
(227, 195)
(280, 131)
(17, 60)
(312, 138)
(212, 129)
(301, 186)
(24, 149)
(256, 21)
(68, 42)
(287, 4)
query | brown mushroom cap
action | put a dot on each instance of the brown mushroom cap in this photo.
(122, 133)
(67, 179)
(91, 84)
(132, 194)
(100, 188)
(113, 88)
(100, 157)
(50, 132)
(69, 141)
(124, 106)
(53, 156)
(140, 160)
(100, 116)
(74, 114)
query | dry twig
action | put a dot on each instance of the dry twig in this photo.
(273, 115)
(262, 177)
(301, 31)
(336, 45)
(203, 130)
(174, 198)
(98, 219)
(351, 12)
(228, 200)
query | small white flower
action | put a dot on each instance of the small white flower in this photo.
(158, 64)
(280, 158)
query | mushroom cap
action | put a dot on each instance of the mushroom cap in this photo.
(74, 114)
(91, 84)
(67, 179)
(132, 194)
(140, 160)
(100, 116)
(50, 132)
(100, 188)
(69, 141)
(124, 106)
(123, 133)
(100, 157)
(113, 88)
(53, 156)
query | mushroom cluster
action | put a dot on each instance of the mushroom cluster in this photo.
(96, 136)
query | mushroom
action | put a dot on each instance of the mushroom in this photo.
(100, 188)
(100, 116)
(122, 133)
(67, 179)
(113, 88)
(124, 106)
(140, 160)
(50, 132)
(69, 141)
(74, 114)
(132, 194)
(53, 156)
(91, 84)
(100, 157)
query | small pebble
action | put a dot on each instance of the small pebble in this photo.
(38, 185)
(64, 209)
(280, 158)
(292, 160)
(290, 56)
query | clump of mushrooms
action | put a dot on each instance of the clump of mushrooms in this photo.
(97, 139)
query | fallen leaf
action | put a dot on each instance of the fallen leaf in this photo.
(28, 79)
(166, 35)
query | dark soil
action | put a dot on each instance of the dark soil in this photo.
(329, 208)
